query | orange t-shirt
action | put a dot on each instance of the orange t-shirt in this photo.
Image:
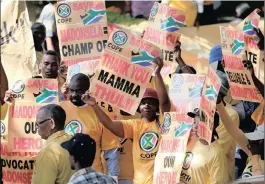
(84, 120)
(146, 139)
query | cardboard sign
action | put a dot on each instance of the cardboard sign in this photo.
(241, 84)
(82, 30)
(171, 153)
(185, 92)
(251, 49)
(208, 105)
(164, 21)
(18, 54)
(17, 167)
(119, 82)
(87, 68)
(36, 90)
(22, 131)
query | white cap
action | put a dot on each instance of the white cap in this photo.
(258, 134)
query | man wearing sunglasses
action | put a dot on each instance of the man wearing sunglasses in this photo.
(52, 163)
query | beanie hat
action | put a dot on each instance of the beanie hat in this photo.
(216, 54)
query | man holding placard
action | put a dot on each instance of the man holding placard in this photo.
(145, 131)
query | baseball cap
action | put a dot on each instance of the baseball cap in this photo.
(196, 112)
(150, 93)
(258, 134)
(81, 146)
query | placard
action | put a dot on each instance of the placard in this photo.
(240, 80)
(86, 67)
(22, 132)
(171, 153)
(210, 93)
(82, 30)
(185, 92)
(36, 90)
(251, 49)
(17, 167)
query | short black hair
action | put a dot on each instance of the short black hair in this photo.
(53, 53)
(82, 79)
(38, 26)
(55, 112)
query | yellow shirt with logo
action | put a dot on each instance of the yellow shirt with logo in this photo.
(227, 142)
(248, 169)
(204, 164)
(84, 120)
(146, 139)
(52, 163)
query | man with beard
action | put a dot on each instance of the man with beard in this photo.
(145, 132)
(52, 164)
(80, 118)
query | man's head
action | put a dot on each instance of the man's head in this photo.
(39, 34)
(149, 104)
(196, 116)
(50, 64)
(50, 119)
(179, 71)
(78, 86)
(82, 150)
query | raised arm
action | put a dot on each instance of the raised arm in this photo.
(114, 126)
(164, 101)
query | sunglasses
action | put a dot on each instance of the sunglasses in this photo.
(41, 122)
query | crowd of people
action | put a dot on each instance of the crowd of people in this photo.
(108, 150)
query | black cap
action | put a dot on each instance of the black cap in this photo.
(196, 112)
(81, 146)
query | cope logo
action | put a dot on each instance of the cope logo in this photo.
(73, 127)
(148, 141)
(177, 81)
(187, 161)
(119, 38)
(18, 87)
(3, 127)
(154, 10)
(64, 10)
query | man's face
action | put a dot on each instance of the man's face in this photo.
(43, 124)
(148, 108)
(76, 90)
(49, 67)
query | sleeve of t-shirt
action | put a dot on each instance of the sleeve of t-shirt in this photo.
(109, 140)
(45, 170)
(128, 128)
(218, 170)
(48, 19)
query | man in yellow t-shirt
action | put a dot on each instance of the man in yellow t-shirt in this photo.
(145, 132)
(204, 163)
(80, 118)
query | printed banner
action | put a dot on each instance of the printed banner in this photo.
(164, 22)
(119, 82)
(208, 105)
(87, 68)
(251, 49)
(17, 167)
(36, 90)
(22, 131)
(18, 54)
(240, 80)
(171, 153)
(82, 30)
(185, 92)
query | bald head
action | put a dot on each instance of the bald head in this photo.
(82, 80)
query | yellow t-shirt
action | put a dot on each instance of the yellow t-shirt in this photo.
(84, 120)
(52, 163)
(4, 108)
(146, 139)
(248, 169)
(227, 142)
(258, 114)
(204, 164)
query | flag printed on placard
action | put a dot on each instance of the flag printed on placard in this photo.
(171, 24)
(142, 58)
(94, 15)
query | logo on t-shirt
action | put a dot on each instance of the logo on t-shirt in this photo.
(73, 127)
(3, 127)
(148, 141)
(187, 161)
